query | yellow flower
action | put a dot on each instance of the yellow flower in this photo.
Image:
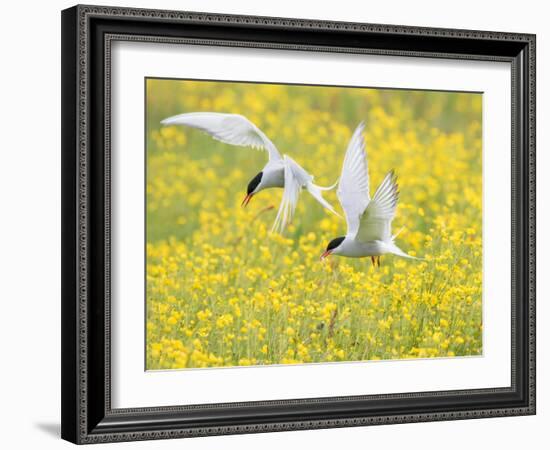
(224, 320)
(172, 320)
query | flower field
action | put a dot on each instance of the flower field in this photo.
(223, 291)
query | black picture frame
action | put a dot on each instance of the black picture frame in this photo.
(87, 32)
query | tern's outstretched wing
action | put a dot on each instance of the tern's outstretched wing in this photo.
(296, 179)
(375, 223)
(231, 129)
(353, 188)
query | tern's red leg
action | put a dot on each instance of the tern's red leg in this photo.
(378, 260)
(372, 259)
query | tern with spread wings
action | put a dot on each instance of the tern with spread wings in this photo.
(369, 219)
(280, 171)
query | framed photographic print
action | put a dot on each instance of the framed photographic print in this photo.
(282, 224)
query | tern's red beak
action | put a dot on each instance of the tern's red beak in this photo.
(325, 254)
(246, 199)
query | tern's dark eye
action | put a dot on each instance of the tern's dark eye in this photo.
(335, 243)
(254, 183)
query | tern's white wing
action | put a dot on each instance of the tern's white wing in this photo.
(375, 223)
(231, 129)
(296, 179)
(353, 188)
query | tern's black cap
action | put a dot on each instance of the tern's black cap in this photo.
(335, 243)
(254, 183)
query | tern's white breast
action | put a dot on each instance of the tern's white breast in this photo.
(354, 249)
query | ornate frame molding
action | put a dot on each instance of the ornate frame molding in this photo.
(80, 417)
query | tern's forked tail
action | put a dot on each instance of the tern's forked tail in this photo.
(395, 250)
(316, 192)
(327, 188)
